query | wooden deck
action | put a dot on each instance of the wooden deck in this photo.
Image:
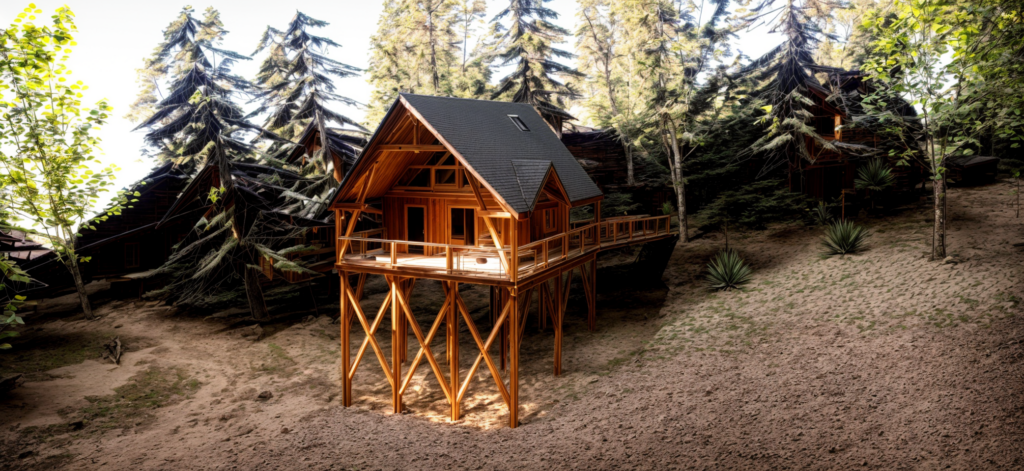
(490, 265)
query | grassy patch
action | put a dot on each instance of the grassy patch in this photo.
(131, 404)
(37, 352)
(277, 362)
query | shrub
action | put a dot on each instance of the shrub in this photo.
(875, 176)
(844, 237)
(728, 270)
(821, 215)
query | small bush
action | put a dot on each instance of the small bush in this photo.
(844, 237)
(727, 270)
(821, 215)
(875, 176)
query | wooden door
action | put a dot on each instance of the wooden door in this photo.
(415, 227)
(462, 226)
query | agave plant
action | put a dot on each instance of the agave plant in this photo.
(875, 176)
(821, 215)
(727, 270)
(844, 237)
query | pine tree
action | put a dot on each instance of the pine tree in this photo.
(527, 43)
(296, 82)
(416, 50)
(190, 56)
(781, 78)
(296, 78)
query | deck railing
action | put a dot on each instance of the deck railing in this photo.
(557, 249)
(428, 257)
(494, 263)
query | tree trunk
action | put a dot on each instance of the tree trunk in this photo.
(254, 294)
(630, 179)
(80, 285)
(939, 232)
(677, 181)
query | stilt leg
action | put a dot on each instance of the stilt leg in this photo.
(504, 333)
(453, 342)
(346, 382)
(592, 304)
(396, 344)
(513, 376)
(559, 315)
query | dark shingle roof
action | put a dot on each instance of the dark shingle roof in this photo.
(507, 158)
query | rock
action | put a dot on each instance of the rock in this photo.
(265, 395)
(254, 332)
(285, 430)
(25, 454)
(77, 425)
(950, 260)
(9, 383)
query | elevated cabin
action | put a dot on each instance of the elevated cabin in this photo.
(469, 191)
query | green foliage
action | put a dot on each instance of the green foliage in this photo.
(526, 41)
(844, 237)
(9, 272)
(821, 214)
(617, 204)
(667, 208)
(875, 176)
(51, 179)
(728, 271)
(753, 206)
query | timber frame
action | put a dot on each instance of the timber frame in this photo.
(482, 218)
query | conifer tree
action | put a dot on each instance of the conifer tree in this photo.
(190, 57)
(526, 42)
(781, 78)
(296, 79)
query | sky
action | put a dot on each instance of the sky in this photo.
(115, 35)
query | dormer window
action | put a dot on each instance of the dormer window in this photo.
(519, 122)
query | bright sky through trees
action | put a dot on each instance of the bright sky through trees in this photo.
(115, 35)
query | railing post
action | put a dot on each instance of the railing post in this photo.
(448, 258)
(394, 254)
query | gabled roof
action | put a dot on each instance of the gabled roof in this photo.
(512, 163)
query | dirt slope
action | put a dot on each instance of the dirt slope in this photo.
(882, 360)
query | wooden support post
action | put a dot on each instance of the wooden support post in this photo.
(346, 327)
(513, 375)
(557, 322)
(453, 347)
(396, 342)
(592, 314)
(360, 285)
(504, 330)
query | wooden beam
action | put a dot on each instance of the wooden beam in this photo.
(495, 214)
(411, 148)
(357, 206)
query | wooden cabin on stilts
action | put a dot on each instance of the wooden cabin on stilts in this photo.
(468, 191)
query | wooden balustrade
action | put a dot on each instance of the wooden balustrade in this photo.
(530, 258)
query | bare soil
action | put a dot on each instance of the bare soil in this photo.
(882, 360)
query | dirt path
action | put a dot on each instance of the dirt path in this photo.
(882, 360)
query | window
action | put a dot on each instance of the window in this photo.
(518, 122)
(549, 220)
(131, 255)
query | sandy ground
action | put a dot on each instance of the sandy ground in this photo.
(882, 360)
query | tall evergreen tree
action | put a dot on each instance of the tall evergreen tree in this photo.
(526, 42)
(200, 127)
(191, 58)
(781, 78)
(296, 79)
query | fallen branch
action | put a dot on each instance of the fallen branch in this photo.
(114, 351)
